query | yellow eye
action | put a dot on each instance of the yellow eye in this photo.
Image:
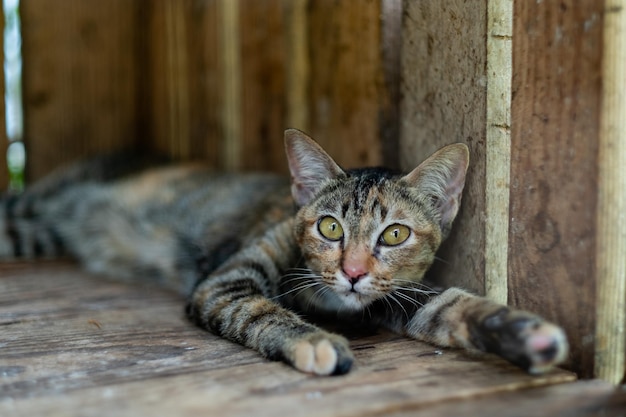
(330, 228)
(395, 234)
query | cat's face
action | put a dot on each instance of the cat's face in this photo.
(366, 236)
(367, 233)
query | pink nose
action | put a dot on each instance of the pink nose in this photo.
(354, 271)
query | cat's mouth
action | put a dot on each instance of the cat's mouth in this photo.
(356, 295)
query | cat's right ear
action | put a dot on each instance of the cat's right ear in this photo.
(309, 164)
(441, 177)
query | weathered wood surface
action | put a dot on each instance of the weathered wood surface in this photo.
(346, 80)
(580, 399)
(557, 52)
(444, 101)
(78, 79)
(611, 241)
(73, 344)
(211, 79)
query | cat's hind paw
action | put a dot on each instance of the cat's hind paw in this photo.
(525, 339)
(322, 354)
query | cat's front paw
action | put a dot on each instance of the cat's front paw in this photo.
(321, 353)
(524, 339)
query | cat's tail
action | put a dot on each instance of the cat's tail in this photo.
(29, 221)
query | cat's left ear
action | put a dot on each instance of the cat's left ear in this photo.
(310, 166)
(442, 178)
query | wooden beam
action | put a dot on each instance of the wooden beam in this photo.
(611, 217)
(231, 72)
(297, 65)
(498, 146)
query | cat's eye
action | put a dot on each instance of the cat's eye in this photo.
(330, 228)
(395, 234)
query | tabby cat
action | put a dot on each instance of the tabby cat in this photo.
(254, 254)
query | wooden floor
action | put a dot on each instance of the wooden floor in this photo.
(72, 344)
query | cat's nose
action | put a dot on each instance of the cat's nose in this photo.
(354, 272)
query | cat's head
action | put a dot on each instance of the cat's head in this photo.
(366, 232)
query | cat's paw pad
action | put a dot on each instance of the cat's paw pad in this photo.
(325, 354)
(526, 340)
(546, 346)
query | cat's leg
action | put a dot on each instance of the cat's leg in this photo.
(236, 302)
(456, 318)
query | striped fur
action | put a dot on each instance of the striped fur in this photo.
(252, 253)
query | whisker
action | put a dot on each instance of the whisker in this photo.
(413, 301)
(319, 293)
(299, 288)
(392, 296)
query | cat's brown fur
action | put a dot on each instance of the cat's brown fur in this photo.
(356, 247)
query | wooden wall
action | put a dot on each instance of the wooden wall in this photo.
(213, 79)
(557, 54)
(533, 178)
(386, 82)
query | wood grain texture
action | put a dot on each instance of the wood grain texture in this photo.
(610, 360)
(297, 64)
(581, 399)
(498, 146)
(180, 89)
(264, 62)
(444, 101)
(78, 79)
(76, 344)
(557, 53)
(346, 79)
(4, 140)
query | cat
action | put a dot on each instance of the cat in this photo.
(254, 254)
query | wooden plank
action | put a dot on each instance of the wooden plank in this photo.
(391, 46)
(611, 242)
(75, 344)
(263, 36)
(180, 86)
(444, 101)
(557, 52)
(346, 81)
(580, 399)
(297, 65)
(498, 146)
(79, 79)
(231, 79)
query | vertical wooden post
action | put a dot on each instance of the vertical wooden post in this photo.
(263, 32)
(177, 78)
(4, 140)
(611, 216)
(298, 65)
(498, 146)
(231, 71)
